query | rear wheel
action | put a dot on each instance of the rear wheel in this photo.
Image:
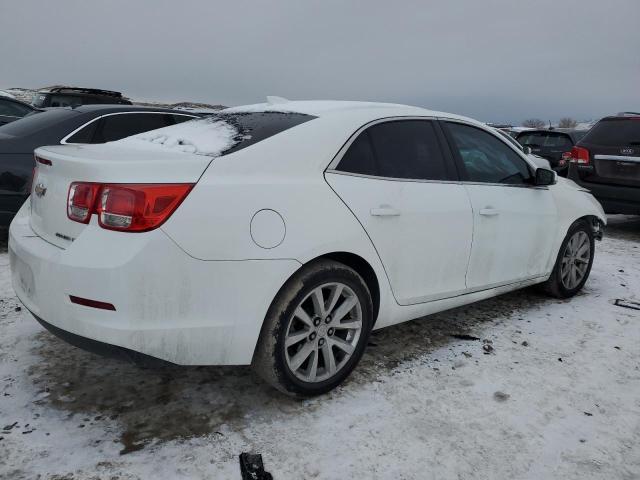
(316, 330)
(574, 262)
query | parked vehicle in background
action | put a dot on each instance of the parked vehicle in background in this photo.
(12, 110)
(73, 97)
(607, 162)
(85, 124)
(280, 235)
(537, 160)
(551, 144)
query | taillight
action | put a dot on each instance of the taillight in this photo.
(579, 155)
(125, 207)
(138, 208)
(81, 201)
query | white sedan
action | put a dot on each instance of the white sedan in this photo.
(281, 234)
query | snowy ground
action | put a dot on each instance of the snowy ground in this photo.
(558, 398)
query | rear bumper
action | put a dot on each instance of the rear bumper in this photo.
(614, 198)
(168, 305)
(101, 348)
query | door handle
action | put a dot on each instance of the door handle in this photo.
(384, 211)
(489, 212)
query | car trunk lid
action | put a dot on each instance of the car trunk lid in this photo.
(57, 167)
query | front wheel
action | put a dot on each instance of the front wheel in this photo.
(574, 262)
(316, 330)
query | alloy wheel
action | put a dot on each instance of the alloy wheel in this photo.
(323, 332)
(575, 260)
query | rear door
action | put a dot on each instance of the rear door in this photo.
(514, 222)
(399, 183)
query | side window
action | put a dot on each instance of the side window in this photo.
(116, 127)
(84, 135)
(406, 149)
(359, 158)
(486, 158)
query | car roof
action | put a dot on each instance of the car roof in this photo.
(622, 116)
(333, 108)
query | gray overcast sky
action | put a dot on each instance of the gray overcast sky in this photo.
(496, 60)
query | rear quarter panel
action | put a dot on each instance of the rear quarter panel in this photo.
(283, 174)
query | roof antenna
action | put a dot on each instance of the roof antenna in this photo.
(273, 100)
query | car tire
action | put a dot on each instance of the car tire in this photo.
(316, 330)
(573, 265)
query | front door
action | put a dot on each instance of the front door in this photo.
(513, 221)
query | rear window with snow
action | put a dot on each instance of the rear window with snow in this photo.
(219, 134)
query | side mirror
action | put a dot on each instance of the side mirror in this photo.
(544, 177)
(526, 150)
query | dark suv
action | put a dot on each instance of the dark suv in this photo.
(607, 162)
(551, 144)
(74, 97)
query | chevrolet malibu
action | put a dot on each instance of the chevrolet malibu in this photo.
(281, 234)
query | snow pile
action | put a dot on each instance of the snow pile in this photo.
(6, 94)
(209, 136)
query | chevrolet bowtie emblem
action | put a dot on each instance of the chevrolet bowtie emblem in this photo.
(40, 190)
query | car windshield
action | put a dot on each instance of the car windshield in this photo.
(34, 123)
(615, 132)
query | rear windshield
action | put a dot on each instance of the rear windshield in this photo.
(614, 132)
(545, 140)
(219, 134)
(257, 126)
(36, 122)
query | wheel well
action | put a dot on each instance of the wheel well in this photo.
(365, 270)
(596, 224)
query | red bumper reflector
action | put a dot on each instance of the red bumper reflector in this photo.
(91, 303)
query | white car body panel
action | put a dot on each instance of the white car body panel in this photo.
(197, 289)
(511, 240)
